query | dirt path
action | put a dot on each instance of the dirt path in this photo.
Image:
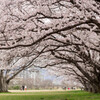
(26, 92)
(35, 90)
(31, 94)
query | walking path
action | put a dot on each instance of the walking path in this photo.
(33, 92)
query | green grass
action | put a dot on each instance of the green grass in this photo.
(61, 95)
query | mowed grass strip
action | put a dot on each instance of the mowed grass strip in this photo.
(63, 95)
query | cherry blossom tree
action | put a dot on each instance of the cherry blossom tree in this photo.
(79, 47)
(63, 27)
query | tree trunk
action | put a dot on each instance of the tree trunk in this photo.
(94, 88)
(3, 83)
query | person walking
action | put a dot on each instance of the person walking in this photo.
(23, 87)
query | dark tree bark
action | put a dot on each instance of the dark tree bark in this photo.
(3, 83)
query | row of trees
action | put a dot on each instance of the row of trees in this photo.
(60, 32)
(31, 80)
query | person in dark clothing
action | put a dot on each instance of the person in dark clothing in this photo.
(23, 87)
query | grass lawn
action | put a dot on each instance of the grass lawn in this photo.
(61, 95)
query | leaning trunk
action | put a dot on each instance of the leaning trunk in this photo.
(92, 87)
(96, 88)
(3, 83)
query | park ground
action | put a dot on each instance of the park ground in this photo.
(49, 95)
